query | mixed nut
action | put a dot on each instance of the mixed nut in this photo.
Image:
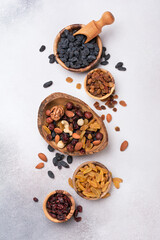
(72, 128)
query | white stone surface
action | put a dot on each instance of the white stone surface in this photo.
(133, 211)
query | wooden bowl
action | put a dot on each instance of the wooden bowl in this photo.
(62, 99)
(70, 213)
(91, 65)
(105, 96)
(80, 193)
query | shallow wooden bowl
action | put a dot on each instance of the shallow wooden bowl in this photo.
(91, 65)
(74, 183)
(105, 96)
(70, 213)
(61, 99)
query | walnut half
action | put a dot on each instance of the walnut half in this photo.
(57, 112)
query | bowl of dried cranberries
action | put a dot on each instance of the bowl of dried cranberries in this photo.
(59, 206)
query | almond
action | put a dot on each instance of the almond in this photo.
(96, 142)
(40, 165)
(78, 146)
(76, 136)
(42, 157)
(124, 145)
(57, 138)
(109, 117)
(123, 103)
(70, 114)
(58, 130)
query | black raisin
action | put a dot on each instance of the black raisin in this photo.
(55, 162)
(106, 57)
(47, 84)
(69, 159)
(119, 64)
(104, 63)
(64, 164)
(35, 199)
(122, 69)
(51, 149)
(59, 166)
(42, 48)
(50, 174)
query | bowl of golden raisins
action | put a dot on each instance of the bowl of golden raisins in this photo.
(92, 180)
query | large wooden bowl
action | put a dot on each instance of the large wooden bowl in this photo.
(105, 96)
(91, 65)
(80, 193)
(70, 213)
(62, 99)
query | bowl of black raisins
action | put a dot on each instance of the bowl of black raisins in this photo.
(72, 53)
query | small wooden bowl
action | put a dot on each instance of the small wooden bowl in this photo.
(91, 65)
(61, 99)
(105, 96)
(74, 182)
(70, 213)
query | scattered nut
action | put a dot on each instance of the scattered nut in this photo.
(42, 156)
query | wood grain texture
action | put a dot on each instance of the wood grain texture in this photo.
(105, 96)
(70, 213)
(91, 65)
(92, 29)
(80, 193)
(61, 99)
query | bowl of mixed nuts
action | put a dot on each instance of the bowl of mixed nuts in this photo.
(92, 180)
(59, 206)
(99, 84)
(71, 126)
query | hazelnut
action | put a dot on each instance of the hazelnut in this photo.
(80, 122)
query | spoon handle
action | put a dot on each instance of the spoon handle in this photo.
(106, 19)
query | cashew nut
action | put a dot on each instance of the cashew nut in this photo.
(60, 144)
(66, 127)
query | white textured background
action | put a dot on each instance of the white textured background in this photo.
(133, 211)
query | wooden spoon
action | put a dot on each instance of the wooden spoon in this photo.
(92, 29)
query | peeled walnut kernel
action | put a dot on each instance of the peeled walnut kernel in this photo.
(57, 112)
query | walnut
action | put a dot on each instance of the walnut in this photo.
(57, 112)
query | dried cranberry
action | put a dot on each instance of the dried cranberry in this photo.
(49, 137)
(88, 115)
(70, 148)
(69, 105)
(99, 136)
(74, 141)
(49, 120)
(78, 219)
(65, 137)
(53, 215)
(35, 199)
(60, 217)
(82, 151)
(79, 113)
(75, 126)
(51, 126)
(79, 208)
(75, 213)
